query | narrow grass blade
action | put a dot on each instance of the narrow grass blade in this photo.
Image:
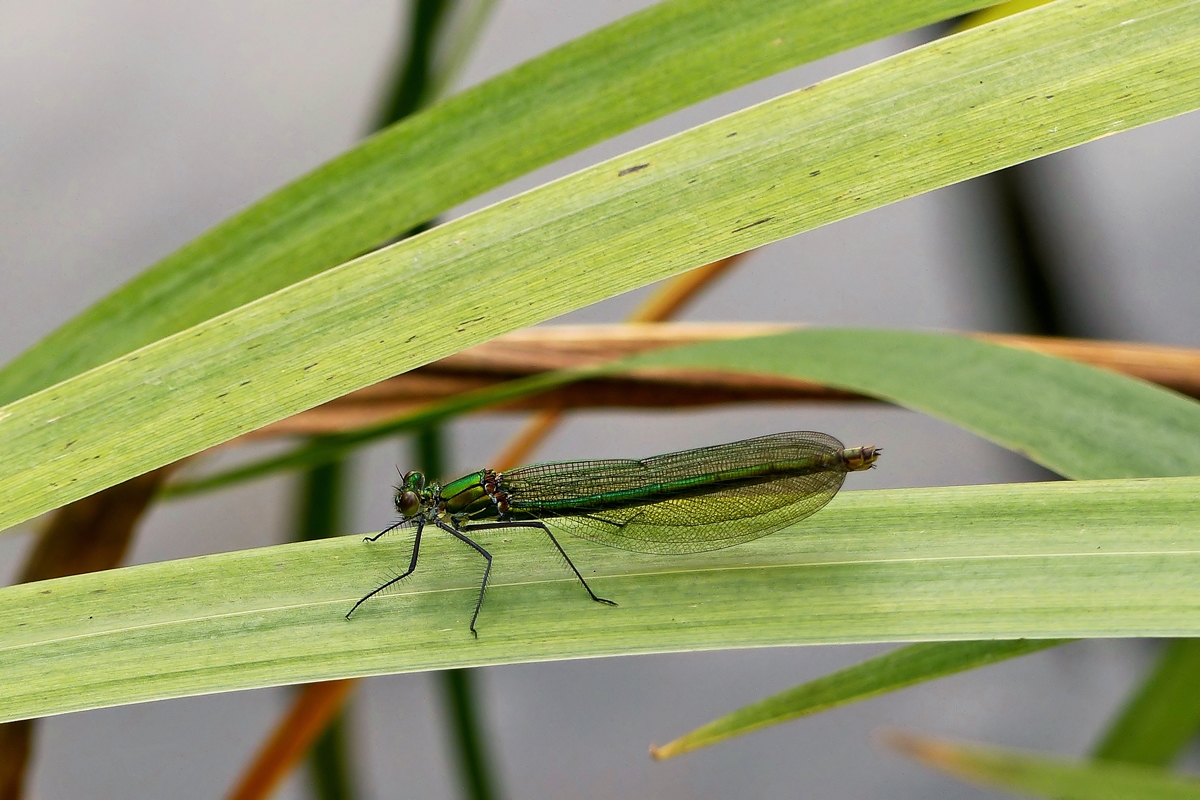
(642, 67)
(1163, 716)
(1040, 561)
(1030, 84)
(1081, 422)
(895, 670)
(1028, 774)
(1099, 425)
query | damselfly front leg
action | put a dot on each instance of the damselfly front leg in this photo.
(412, 565)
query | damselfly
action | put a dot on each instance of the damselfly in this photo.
(684, 502)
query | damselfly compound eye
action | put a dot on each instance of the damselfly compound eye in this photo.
(408, 503)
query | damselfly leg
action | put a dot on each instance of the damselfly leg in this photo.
(412, 564)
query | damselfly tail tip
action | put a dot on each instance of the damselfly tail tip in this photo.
(860, 458)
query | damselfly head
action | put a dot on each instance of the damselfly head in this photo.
(411, 494)
(860, 458)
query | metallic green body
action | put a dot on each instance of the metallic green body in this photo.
(466, 494)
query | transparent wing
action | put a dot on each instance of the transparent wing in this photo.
(710, 521)
(564, 480)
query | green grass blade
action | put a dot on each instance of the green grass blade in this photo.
(1028, 775)
(412, 81)
(635, 70)
(459, 44)
(906, 666)
(1047, 560)
(1030, 84)
(1163, 716)
(1081, 422)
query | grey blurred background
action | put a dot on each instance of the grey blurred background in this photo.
(129, 127)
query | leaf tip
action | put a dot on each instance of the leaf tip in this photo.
(663, 753)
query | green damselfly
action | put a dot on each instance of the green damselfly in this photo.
(684, 502)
